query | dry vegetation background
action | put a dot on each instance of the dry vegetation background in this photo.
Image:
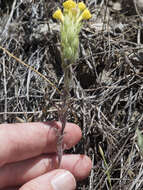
(107, 98)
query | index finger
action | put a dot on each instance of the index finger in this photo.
(21, 141)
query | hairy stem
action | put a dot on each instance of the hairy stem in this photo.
(63, 112)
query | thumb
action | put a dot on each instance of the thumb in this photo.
(55, 180)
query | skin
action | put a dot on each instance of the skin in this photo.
(28, 156)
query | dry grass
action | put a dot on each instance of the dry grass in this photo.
(107, 98)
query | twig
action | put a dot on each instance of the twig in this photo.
(5, 91)
(5, 31)
(27, 112)
(28, 66)
(137, 179)
(135, 4)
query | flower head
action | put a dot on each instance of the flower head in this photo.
(85, 15)
(81, 6)
(58, 15)
(71, 24)
(69, 4)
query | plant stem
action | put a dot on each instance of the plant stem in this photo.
(63, 112)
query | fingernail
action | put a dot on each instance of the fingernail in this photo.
(64, 180)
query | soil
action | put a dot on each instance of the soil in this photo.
(107, 89)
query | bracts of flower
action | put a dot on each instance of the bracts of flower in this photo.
(71, 19)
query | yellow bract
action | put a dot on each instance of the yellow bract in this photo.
(58, 15)
(86, 15)
(69, 4)
(81, 6)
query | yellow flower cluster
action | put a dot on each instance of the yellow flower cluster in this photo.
(69, 4)
(71, 24)
(58, 15)
(76, 9)
(81, 6)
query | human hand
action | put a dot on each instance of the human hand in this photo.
(28, 158)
